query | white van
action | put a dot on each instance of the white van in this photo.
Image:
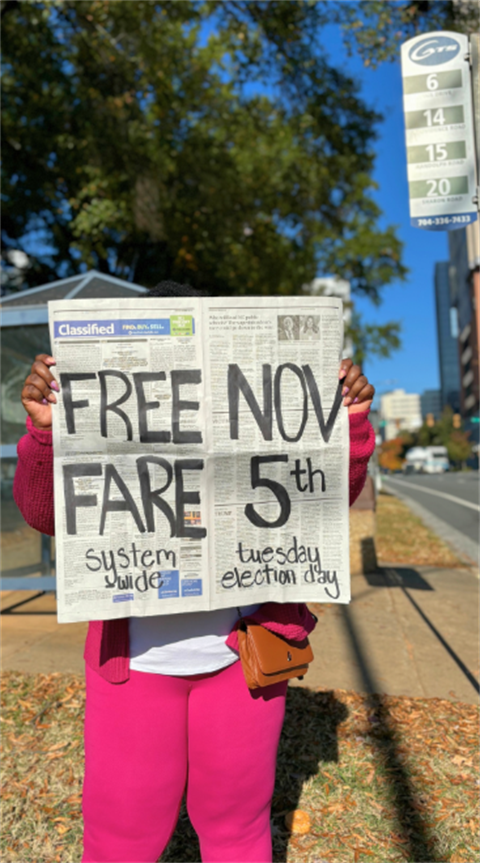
(426, 459)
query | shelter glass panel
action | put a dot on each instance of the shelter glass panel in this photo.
(20, 345)
(24, 552)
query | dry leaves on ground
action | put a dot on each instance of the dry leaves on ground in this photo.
(402, 538)
(380, 778)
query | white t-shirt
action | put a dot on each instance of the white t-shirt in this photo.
(184, 644)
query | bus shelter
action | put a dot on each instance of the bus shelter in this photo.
(27, 557)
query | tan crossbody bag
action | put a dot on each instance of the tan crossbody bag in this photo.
(267, 657)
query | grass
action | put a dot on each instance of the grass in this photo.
(402, 538)
(382, 778)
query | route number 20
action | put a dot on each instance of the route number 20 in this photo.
(438, 187)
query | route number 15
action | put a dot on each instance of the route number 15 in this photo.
(436, 152)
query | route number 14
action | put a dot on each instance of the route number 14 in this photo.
(434, 118)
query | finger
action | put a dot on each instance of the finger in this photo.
(41, 384)
(353, 373)
(32, 393)
(41, 370)
(345, 365)
(47, 359)
(41, 366)
(365, 394)
(357, 387)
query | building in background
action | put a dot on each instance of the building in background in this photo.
(399, 411)
(447, 338)
(464, 273)
(431, 404)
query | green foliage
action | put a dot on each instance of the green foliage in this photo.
(459, 447)
(407, 439)
(207, 142)
(428, 436)
(376, 28)
(372, 339)
(443, 433)
(455, 439)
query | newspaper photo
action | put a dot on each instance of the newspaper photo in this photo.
(200, 454)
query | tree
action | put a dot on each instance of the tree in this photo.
(375, 28)
(456, 439)
(427, 436)
(442, 433)
(459, 447)
(210, 143)
(368, 339)
(444, 427)
(391, 454)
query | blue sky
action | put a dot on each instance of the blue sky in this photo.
(415, 366)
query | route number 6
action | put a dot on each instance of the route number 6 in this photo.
(432, 81)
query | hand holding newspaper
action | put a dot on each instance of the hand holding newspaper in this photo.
(200, 454)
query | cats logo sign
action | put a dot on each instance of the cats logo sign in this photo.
(439, 131)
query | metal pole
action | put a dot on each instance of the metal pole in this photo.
(46, 555)
(474, 54)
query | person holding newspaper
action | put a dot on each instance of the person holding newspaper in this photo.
(167, 705)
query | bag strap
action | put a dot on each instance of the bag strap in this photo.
(241, 621)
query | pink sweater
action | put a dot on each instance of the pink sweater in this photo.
(107, 645)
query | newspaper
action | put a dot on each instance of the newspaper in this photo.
(200, 454)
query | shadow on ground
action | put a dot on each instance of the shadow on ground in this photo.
(319, 714)
(299, 759)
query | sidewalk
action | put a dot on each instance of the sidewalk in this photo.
(33, 641)
(407, 631)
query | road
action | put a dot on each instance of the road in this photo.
(451, 499)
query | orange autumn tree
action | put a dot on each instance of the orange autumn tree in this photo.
(390, 454)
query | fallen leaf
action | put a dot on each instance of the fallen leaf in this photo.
(57, 746)
(298, 821)
(460, 760)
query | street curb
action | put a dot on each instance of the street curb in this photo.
(466, 549)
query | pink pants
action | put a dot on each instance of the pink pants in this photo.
(150, 738)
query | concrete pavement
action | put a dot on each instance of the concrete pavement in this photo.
(33, 641)
(407, 631)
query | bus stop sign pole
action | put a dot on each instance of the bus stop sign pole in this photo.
(439, 131)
